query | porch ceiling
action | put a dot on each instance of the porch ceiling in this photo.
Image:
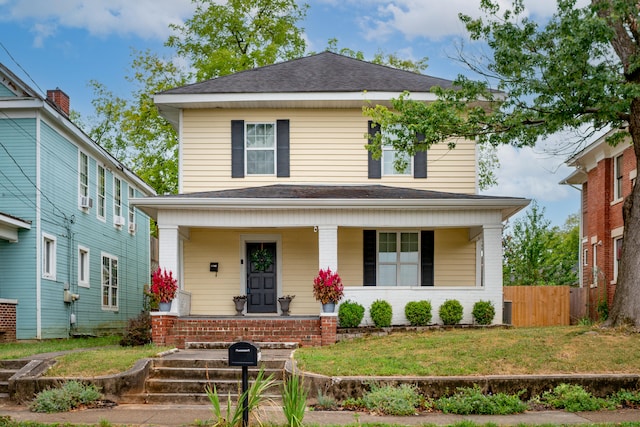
(335, 204)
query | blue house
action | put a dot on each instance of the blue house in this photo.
(74, 254)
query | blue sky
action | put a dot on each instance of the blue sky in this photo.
(67, 43)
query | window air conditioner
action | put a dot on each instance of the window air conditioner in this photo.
(133, 227)
(86, 202)
(118, 220)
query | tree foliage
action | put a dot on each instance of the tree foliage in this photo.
(579, 69)
(537, 254)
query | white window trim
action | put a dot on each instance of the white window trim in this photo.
(615, 260)
(83, 190)
(618, 178)
(102, 285)
(131, 192)
(100, 196)
(117, 206)
(274, 149)
(398, 263)
(49, 275)
(87, 267)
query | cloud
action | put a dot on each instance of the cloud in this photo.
(147, 19)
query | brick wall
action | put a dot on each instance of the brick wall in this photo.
(8, 320)
(306, 331)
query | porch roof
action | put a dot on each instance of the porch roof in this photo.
(9, 226)
(284, 196)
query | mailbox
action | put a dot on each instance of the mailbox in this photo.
(244, 353)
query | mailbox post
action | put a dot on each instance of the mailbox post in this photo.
(245, 354)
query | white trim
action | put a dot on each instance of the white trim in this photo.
(274, 149)
(118, 284)
(84, 283)
(38, 227)
(180, 149)
(617, 232)
(117, 222)
(52, 256)
(102, 218)
(260, 238)
(80, 185)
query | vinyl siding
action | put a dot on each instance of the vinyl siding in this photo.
(5, 92)
(326, 146)
(455, 258)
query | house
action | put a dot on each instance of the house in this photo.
(605, 175)
(74, 253)
(275, 183)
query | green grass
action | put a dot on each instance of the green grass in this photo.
(99, 356)
(548, 350)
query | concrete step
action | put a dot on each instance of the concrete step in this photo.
(4, 388)
(5, 374)
(162, 372)
(194, 398)
(15, 365)
(219, 345)
(213, 364)
(190, 386)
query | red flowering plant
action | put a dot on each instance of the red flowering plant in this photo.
(327, 286)
(163, 285)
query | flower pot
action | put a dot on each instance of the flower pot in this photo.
(328, 307)
(165, 306)
(284, 305)
(239, 302)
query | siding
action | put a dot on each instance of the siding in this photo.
(5, 92)
(455, 258)
(327, 146)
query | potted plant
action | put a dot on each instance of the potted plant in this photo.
(164, 286)
(285, 302)
(239, 301)
(328, 289)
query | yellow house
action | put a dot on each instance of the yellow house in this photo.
(276, 183)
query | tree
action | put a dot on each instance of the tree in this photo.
(582, 68)
(537, 254)
(219, 39)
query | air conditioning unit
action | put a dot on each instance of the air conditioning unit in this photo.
(132, 227)
(86, 202)
(118, 220)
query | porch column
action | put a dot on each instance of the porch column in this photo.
(169, 254)
(328, 247)
(492, 235)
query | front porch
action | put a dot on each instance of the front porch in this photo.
(171, 330)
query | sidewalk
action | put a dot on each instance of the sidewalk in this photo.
(182, 415)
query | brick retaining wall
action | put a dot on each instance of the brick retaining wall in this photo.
(8, 320)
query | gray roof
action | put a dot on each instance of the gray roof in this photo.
(285, 191)
(323, 72)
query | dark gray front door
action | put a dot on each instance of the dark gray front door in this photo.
(261, 278)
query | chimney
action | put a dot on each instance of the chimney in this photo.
(60, 99)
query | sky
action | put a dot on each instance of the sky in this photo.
(67, 43)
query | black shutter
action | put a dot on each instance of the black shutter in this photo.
(369, 257)
(283, 148)
(420, 161)
(375, 166)
(427, 251)
(237, 148)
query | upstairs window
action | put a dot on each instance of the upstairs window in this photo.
(117, 197)
(617, 185)
(132, 210)
(390, 156)
(101, 192)
(83, 175)
(260, 148)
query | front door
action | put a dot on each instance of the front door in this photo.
(261, 278)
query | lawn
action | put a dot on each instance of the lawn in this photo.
(446, 352)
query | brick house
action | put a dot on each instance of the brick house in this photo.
(604, 175)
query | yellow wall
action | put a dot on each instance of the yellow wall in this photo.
(212, 294)
(327, 146)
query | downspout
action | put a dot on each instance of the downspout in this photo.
(38, 235)
(580, 230)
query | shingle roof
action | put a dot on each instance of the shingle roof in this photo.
(323, 72)
(284, 191)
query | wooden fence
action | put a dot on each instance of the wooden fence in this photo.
(538, 305)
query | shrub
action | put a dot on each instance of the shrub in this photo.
(401, 400)
(138, 331)
(381, 313)
(625, 398)
(451, 312)
(572, 398)
(470, 400)
(71, 395)
(418, 313)
(350, 314)
(483, 312)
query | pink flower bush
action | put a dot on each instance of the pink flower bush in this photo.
(163, 285)
(327, 286)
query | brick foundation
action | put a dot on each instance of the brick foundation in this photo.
(307, 331)
(8, 320)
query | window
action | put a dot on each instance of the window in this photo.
(398, 258)
(617, 188)
(390, 156)
(585, 256)
(132, 210)
(48, 257)
(594, 267)
(101, 184)
(109, 282)
(117, 200)
(83, 175)
(617, 254)
(83, 266)
(261, 148)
